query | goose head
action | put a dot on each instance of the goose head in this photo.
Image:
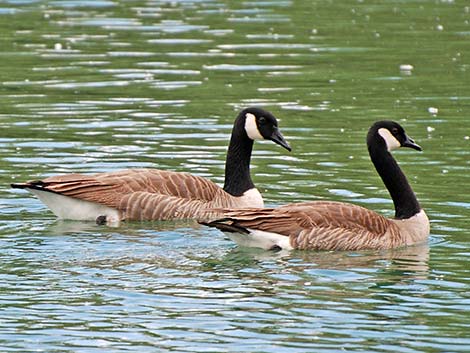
(262, 125)
(391, 135)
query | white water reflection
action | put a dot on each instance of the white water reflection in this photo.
(231, 67)
(183, 41)
(83, 3)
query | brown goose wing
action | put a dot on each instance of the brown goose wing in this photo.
(319, 225)
(137, 193)
(162, 182)
(151, 206)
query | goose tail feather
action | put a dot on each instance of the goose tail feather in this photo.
(37, 185)
(226, 227)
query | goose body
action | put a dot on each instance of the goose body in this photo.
(328, 225)
(152, 194)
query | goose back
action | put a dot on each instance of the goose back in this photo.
(146, 194)
(327, 225)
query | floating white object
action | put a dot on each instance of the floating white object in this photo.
(430, 129)
(406, 67)
(57, 46)
(433, 110)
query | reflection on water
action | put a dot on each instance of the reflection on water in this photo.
(93, 86)
(413, 260)
(158, 288)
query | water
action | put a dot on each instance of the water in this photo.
(90, 86)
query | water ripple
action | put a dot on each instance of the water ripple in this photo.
(83, 3)
(231, 67)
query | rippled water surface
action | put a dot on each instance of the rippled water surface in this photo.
(91, 86)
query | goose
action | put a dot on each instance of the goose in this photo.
(329, 225)
(152, 194)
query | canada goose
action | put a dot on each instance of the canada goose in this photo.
(151, 194)
(327, 225)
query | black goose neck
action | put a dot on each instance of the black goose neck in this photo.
(404, 199)
(237, 165)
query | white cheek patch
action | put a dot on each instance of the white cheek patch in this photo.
(251, 127)
(390, 140)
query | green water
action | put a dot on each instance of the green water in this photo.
(91, 86)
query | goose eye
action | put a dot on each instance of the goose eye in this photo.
(262, 120)
(394, 131)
